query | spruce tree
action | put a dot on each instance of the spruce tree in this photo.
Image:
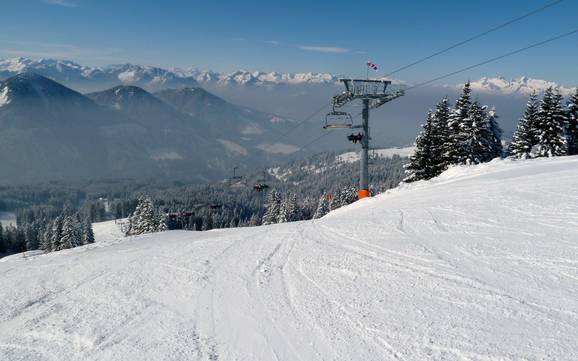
(572, 127)
(322, 207)
(46, 238)
(3, 245)
(273, 208)
(525, 136)
(87, 233)
(440, 142)
(289, 210)
(473, 139)
(419, 166)
(459, 126)
(56, 234)
(161, 223)
(496, 149)
(283, 215)
(143, 219)
(551, 138)
(67, 239)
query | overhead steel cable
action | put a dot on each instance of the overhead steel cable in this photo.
(477, 36)
(513, 52)
(301, 122)
(491, 60)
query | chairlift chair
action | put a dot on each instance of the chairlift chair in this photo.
(338, 120)
(260, 186)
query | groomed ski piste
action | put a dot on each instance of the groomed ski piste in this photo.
(479, 264)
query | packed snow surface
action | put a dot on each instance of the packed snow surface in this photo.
(479, 264)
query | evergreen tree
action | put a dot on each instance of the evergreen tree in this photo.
(496, 149)
(161, 223)
(87, 233)
(477, 140)
(46, 238)
(31, 235)
(322, 207)
(572, 128)
(3, 245)
(525, 136)
(272, 208)
(56, 234)
(336, 200)
(459, 125)
(551, 136)
(420, 165)
(143, 219)
(440, 142)
(289, 211)
(68, 238)
(254, 220)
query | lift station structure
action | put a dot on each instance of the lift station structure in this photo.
(373, 94)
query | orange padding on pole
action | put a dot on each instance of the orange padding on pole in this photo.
(363, 193)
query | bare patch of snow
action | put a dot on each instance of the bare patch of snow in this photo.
(167, 156)
(4, 99)
(233, 147)
(252, 129)
(279, 148)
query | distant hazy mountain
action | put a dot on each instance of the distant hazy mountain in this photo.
(242, 129)
(48, 131)
(226, 120)
(51, 132)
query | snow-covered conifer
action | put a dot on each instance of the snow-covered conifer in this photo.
(551, 137)
(143, 219)
(496, 149)
(161, 225)
(272, 208)
(440, 138)
(419, 166)
(322, 207)
(478, 140)
(525, 136)
(56, 234)
(572, 128)
(69, 233)
(87, 233)
(459, 126)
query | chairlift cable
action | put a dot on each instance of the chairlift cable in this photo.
(477, 36)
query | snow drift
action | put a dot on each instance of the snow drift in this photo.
(479, 264)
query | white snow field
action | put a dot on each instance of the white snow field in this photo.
(480, 264)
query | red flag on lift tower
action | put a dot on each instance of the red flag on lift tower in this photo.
(371, 66)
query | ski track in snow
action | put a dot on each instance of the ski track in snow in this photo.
(480, 264)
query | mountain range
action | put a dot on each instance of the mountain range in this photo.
(86, 78)
(190, 124)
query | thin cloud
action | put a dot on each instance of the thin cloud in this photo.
(54, 50)
(64, 3)
(324, 49)
(272, 42)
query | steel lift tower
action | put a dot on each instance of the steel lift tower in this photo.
(373, 94)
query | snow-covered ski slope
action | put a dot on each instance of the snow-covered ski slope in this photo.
(480, 264)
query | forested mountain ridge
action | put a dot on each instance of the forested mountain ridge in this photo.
(51, 132)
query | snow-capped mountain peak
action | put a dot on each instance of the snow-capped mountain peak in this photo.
(522, 85)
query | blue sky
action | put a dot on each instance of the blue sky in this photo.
(295, 36)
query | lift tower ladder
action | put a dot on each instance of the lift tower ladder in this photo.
(373, 94)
